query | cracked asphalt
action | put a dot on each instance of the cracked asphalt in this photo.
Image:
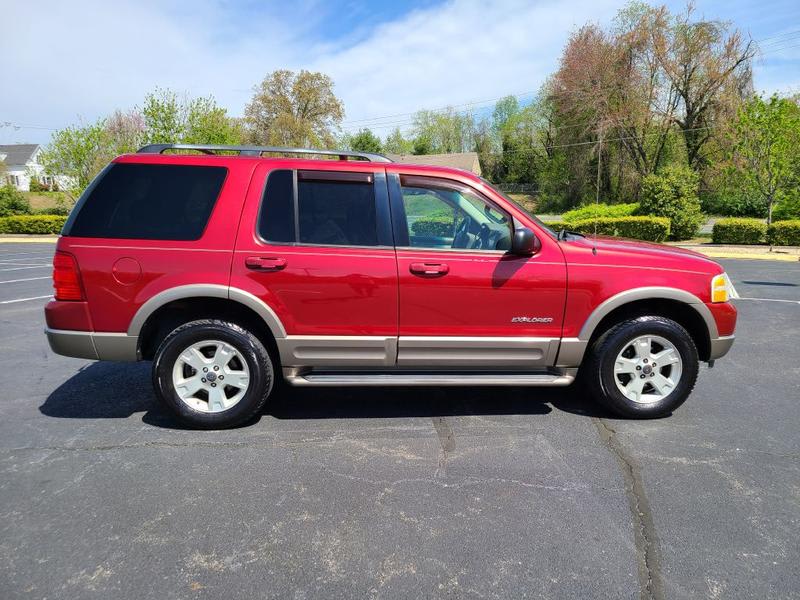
(399, 493)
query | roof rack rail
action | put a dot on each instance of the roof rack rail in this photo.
(259, 150)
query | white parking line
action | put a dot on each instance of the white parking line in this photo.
(18, 263)
(31, 267)
(24, 299)
(26, 279)
(771, 300)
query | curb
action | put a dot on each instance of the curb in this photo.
(28, 239)
(745, 256)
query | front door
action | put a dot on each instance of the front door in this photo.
(464, 300)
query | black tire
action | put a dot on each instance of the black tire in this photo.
(254, 353)
(601, 379)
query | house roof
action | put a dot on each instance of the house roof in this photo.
(18, 155)
(467, 161)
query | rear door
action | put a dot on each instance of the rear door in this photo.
(464, 300)
(316, 245)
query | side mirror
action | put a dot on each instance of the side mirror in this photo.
(524, 242)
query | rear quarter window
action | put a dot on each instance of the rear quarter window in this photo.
(149, 202)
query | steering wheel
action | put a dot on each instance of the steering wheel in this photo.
(461, 238)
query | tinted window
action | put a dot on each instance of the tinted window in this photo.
(334, 209)
(276, 221)
(151, 202)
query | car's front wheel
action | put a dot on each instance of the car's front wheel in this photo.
(643, 368)
(213, 374)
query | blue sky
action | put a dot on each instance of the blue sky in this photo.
(72, 62)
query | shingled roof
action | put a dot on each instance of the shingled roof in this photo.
(17, 155)
(468, 161)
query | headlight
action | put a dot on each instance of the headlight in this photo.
(722, 289)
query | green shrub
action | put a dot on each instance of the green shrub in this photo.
(788, 207)
(556, 225)
(433, 226)
(13, 202)
(673, 194)
(592, 211)
(739, 231)
(651, 229)
(784, 233)
(41, 224)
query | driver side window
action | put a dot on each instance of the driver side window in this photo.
(442, 216)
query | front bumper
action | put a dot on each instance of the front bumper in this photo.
(93, 345)
(720, 346)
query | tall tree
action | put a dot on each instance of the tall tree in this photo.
(396, 143)
(709, 66)
(77, 152)
(366, 141)
(437, 132)
(766, 137)
(294, 109)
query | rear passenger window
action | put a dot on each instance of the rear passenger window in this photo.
(150, 202)
(329, 209)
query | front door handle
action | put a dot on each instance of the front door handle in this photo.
(265, 263)
(429, 269)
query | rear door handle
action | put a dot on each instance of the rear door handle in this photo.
(265, 263)
(429, 269)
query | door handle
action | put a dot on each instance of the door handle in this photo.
(429, 269)
(265, 263)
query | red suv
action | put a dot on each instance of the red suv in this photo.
(228, 267)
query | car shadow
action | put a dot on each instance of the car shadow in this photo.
(108, 390)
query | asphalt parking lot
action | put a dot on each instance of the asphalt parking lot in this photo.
(480, 493)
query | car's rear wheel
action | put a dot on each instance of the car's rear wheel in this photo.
(213, 374)
(644, 367)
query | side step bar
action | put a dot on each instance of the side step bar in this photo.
(311, 378)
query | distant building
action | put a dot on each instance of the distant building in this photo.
(21, 162)
(467, 161)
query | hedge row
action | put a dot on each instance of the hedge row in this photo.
(784, 233)
(41, 224)
(433, 227)
(739, 231)
(599, 211)
(755, 231)
(651, 229)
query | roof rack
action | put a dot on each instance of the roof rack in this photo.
(259, 150)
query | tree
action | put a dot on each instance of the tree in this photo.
(78, 152)
(294, 109)
(366, 141)
(170, 119)
(709, 67)
(437, 132)
(396, 143)
(766, 137)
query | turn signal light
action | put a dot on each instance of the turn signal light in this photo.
(66, 277)
(722, 289)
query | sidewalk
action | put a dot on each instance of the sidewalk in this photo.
(779, 253)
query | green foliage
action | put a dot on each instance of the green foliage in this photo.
(396, 143)
(557, 225)
(442, 132)
(366, 141)
(13, 202)
(37, 186)
(788, 207)
(673, 194)
(78, 152)
(652, 229)
(765, 155)
(435, 226)
(784, 233)
(733, 202)
(591, 211)
(36, 224)
(739, 231)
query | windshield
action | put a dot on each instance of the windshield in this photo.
(533, 217)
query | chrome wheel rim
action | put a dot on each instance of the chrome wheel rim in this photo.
(648, 369)
(211, 376)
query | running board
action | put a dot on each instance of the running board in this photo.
(428, 379)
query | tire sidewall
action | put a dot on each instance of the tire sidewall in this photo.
(619, 338)
(253, 352)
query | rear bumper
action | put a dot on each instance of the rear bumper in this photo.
(720, 346)
(93, 345)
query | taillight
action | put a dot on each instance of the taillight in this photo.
(66, 277)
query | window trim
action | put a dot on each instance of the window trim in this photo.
(377, 179)
(400, 220)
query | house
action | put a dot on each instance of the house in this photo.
(21, 163)
(466, 161)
